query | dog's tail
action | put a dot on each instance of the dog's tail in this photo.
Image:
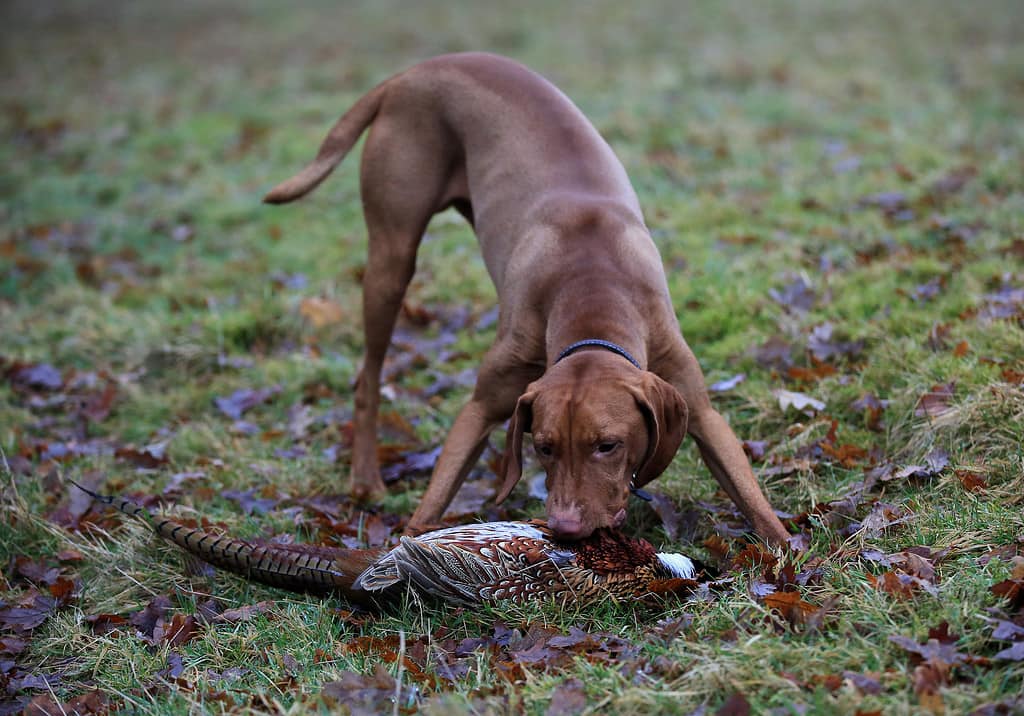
(336, 145)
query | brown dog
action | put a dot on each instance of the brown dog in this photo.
(588, 356)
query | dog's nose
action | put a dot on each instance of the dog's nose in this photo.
(567, 527)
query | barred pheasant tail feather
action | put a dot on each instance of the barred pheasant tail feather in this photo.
(471, 564)
(300, 568)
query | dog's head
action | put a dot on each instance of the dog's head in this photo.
(598, 425)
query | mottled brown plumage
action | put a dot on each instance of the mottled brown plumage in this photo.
(495, 561)
(485, 562)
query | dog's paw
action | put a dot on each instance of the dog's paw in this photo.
(368, 493)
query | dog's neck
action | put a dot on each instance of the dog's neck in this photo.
(584, 311)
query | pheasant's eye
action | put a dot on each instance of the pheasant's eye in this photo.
(607, 447)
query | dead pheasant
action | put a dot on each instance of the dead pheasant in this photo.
(494, 561)
(487, 562)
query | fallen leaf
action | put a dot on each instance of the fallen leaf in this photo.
(361, 693)
(182, 629)
(810, 375)
(832, 682)
(1005, 552)
(735, 705)
(250, 502)
(175, 667)
(791, 606)
(882, 516)
(1012, 653)
(567, 699)
(718, 547)
(670, 628)
(934, 463)
(899, 586)
(797, 296)
(971, 481)
(1012, 589)
(106, 623)
(98, 406)
(754, 555)
(846, 455)
(755, 449)
(1007, 303)
(865, 683)
(954, 180)
(245, 613)
(38, 572)
(938, 335)
(321, 311)
(409, 464)
(243, 400)
(727, 384)
(472, 497)
(936, 401)
(31, 611)
(35, 376)
(776, 352)
(678, 526)
(932, 650)
(799, 401)
(91, 702)
(12, 645)
(146, 619)
(925, 292)
(824, 347)
(148, 457)
(892, 203)
(1013, 376)
(872, 408)
(69, 515)
(1007, 630)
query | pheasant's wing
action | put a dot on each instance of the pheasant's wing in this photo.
(380, 575)
(448, 571)
(473, 563)
(384, 572)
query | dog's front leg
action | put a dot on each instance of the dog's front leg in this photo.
(499, 384)
(724, 456)
(720, 449)
(465, 443)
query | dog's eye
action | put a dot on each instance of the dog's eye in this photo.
(607, 447)
(544, 450)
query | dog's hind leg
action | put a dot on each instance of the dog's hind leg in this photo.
(405, 179)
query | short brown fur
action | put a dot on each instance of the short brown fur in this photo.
(564, 241)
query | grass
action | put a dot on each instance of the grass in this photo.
(140, 137)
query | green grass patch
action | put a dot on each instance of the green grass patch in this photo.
(870, 150)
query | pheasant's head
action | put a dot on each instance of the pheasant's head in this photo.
(599, 426)
(610, 551)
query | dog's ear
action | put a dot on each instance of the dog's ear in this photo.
(666, 415)
(512, 461)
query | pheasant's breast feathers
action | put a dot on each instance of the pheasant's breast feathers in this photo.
(611, 552)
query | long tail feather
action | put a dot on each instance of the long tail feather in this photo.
(303, 568)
